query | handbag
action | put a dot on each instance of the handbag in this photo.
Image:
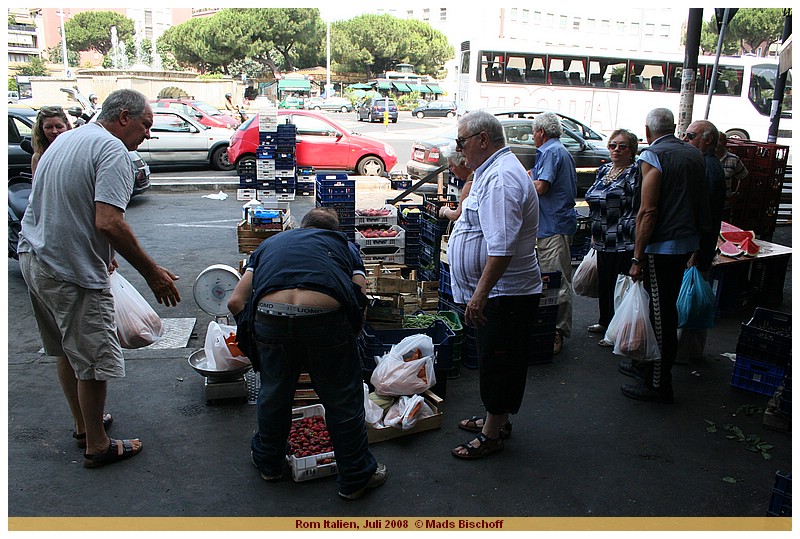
(586, 281)
(696, 301)
(138, 324)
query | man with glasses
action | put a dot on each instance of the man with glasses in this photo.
(672, 216)
(74, 225)
(704, 136)
(556, 181)
(496, 274)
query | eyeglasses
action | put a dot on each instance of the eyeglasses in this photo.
(461, 140)
(614, 146)
(690, 135)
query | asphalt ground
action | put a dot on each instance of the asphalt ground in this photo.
(582, 456)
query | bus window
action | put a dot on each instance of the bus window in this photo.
(608, 73)
(492, 66)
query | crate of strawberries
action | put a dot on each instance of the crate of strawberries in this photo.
(310, 454)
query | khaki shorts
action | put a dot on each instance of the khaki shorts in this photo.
(74, 322)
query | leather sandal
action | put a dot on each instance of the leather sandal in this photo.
(475, 424)
(80, 439)
(486, 446)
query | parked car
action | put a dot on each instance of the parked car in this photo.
(428, 155)
(178, 139)
(322, 143)
(199, 110)
(334, 104)
(436, 109)
(372, 109)
(20, 125)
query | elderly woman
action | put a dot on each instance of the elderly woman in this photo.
(458, 167)
(613, 220)
(50, 122)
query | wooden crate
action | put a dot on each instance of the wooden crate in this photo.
(436, 404)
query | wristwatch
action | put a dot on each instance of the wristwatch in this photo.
(635, 261)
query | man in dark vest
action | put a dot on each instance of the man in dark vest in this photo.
(672, 202)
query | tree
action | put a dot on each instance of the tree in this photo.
(91, 30)
(749, 29)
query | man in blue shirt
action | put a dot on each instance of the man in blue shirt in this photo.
(556, 182)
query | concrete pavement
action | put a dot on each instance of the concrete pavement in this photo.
(580, 450)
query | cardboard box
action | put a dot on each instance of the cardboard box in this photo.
(436, 404)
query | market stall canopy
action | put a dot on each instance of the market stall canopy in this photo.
(360, 86)
(294, 85)
(435, 88)
(785, 55)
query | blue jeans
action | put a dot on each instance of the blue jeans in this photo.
(326, 346)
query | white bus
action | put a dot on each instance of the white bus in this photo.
(617, 91)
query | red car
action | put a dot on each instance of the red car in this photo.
(322, 144)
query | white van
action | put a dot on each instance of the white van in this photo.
(13, 97)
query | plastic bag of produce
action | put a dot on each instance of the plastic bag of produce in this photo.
(407, 369)
(585, 282)
(635, 337)
(138, 324)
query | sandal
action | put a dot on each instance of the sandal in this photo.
(117, 450)
(475, 424)
(81, 438)
(486, 447)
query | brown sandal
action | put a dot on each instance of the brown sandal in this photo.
(486, 447)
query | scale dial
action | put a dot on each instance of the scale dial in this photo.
(213, 288)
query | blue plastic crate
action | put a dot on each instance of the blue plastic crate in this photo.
(780, 503)
(756, 376)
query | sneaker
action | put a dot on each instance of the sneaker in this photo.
(596, 328)
(377, 479)
(558, 342)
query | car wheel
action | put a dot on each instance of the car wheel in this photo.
(370, 166)
(737, 134)
(451, 114)
(420, 114)
(219, 159)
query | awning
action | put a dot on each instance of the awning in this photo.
(435, 88)
(785, 55)
(401, 86)
(384, 85)
(294, 85)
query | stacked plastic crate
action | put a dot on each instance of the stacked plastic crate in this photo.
(378, 235)
(337, 191)
(763, 352)
(757, 206)
(306, 178)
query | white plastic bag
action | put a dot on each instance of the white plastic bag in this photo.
(218, 354)
(407, 369)
(405, 413)
(585, 282)
(635, 337)
(373, 413)
(138, 324)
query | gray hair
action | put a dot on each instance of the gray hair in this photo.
(479, 121)
(134, 102)
(660, 122)
(549, 123)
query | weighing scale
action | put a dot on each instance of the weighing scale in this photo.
(212, 289)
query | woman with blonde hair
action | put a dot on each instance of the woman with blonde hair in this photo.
(50, 122)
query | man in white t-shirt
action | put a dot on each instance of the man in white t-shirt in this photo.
(73, 227)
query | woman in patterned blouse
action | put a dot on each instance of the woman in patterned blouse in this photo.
(613, 220)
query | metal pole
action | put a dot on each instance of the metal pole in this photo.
(780, 85)
(689, 76)
(713, 84)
